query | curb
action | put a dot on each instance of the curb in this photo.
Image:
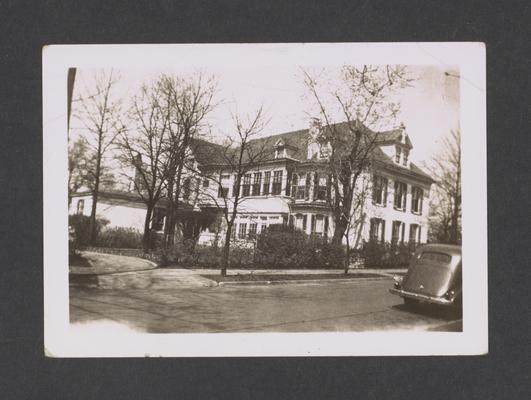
(300, 281)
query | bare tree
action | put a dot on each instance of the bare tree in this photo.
(363, 99)
(144, 147)
(100, 114)
(237, 157)
(79, 166)
(445, 218)
(187, 102)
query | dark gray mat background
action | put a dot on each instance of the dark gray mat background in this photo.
(26, 26)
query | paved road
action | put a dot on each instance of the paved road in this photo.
(360, 305)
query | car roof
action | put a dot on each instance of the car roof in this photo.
(446, 248)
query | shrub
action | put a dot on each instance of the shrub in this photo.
(385, 255)
(120, 238)
(287, 247)
(81, 225)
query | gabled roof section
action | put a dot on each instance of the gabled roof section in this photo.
(380, 157)
(298, 141)
(206, 152)
(393, 137)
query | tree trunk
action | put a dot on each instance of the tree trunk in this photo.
(169, 215)
(226, 250)
(454, 225)
(95, 194)
(146, 240)
(339, 230)
(347, 252)
(171, 219)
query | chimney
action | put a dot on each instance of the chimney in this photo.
(315, 128)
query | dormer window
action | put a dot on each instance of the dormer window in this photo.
(280, 149)
(398, 154)
(324, 150)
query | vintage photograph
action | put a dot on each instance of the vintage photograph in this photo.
(269, 194)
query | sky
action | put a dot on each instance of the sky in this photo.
(429, 108)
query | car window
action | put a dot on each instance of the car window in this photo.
(435, 257)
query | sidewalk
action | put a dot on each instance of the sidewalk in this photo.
(110, 264)
(389, 272)
(109, 271)
(121, 272)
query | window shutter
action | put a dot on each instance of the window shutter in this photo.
(288, 183)
(403, 231)
(419, 228)
(383, 230)
(384, 183)
(304, 222)
(421, 197)
(308, 184)
(313, 223)
(315, 185)
(326, 226)
(329, 189)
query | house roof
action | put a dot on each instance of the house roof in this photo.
(206, 152)
(297, 142)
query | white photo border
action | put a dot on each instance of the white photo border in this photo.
(62, 340)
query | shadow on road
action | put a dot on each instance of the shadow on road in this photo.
(432, 310)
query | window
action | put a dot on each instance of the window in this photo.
(435, 257)
(379, 190)
(80, 206)
(223, 192)
(416, 200)
(157, 221)
(246, 187)
(263, 227)
(398, 232)
(377, 230)
(242, 232)
(252, 230)
(300, 222)
(414, 231)
(267, 181)
(318, 224)
(398, 154)
(406, 156)
(294, 183)
(277, 183)
(301, 188)
(400, 195)
(205, 182)
(223, 188)
(257, 183)
(320, 191)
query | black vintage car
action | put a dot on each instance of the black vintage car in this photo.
(433, 276)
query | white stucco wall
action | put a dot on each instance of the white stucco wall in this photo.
(118, 213)
(390, 214)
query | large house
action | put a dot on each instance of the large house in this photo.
(288, 186)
